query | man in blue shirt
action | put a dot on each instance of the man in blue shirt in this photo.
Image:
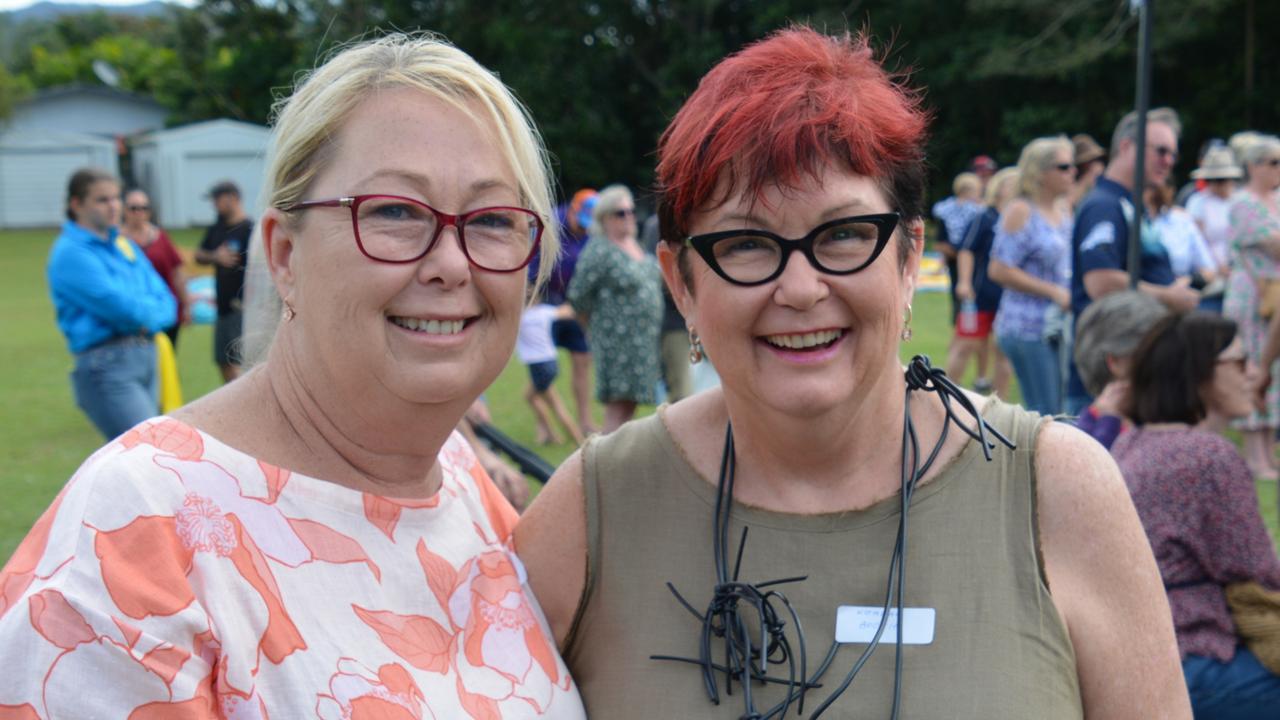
(1100, 238)
(109, 303)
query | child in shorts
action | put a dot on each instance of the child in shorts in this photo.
(535, 348)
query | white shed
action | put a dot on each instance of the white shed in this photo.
(178, 166)
(35, 167)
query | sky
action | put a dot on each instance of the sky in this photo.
(17, 4)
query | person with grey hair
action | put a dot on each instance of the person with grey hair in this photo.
(1253, 287)
(1106, 336)
(1100, 239)
(315, 539)
(617, 292)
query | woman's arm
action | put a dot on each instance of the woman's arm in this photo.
(1105, 582)
(1022, 281)
(551, 540)
(964, 275)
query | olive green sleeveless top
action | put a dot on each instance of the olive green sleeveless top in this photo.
(999, 649)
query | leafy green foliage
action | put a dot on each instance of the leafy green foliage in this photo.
(603, 77)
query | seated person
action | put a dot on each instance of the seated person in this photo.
(1196, 499)
(1106, 335)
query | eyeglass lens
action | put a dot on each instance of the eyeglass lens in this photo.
(840, 248)
(396, 230)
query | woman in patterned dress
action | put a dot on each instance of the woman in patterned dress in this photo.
(314, 539)
(1255, 252)
(617, 289)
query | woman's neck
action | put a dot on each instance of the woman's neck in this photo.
(850, 457)
(356, 437)
(1047, 203)
(137, 232)
(1260, 191)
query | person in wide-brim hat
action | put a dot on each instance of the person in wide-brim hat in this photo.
(1218, 164)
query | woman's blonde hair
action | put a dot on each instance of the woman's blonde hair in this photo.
(1036, 158)
(306, 123)
(997, 183)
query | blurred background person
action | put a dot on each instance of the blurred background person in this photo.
(1197, 501)
(985, 167)
(109, 302)
(953, 215)
(1031, 259)
(226, 247)
(160, 250)
(617, 292)
(677, 373)
(1091, 161)
(1189, 255)
(566, 331)
(979, 296)
(1211, 207)
(1106, 335)
(1253, 288)
(535, 348)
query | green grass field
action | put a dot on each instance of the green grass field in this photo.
(44, 437)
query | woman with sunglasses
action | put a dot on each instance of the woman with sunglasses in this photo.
(734, 554)
(1031, 259)
(159, 249)
(617, 292)
(1197, 501)
(1253, 288)
(314, 538)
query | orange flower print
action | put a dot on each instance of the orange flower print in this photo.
(502, 638)
(202, 527)
(168, 436)
(358, 693)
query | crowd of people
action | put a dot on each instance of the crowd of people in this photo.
(319, 536)
(1155, 374)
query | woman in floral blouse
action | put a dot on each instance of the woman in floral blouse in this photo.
(314, 539)
(1197, 502)
(1255, 261)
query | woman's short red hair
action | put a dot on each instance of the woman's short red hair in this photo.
(782, 108)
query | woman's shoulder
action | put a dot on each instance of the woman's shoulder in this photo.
(1015, 217)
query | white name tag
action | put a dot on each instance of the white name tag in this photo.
(858, 624)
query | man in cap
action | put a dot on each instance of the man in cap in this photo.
(984, 166)
(226, 247)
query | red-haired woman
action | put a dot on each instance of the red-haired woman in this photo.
(791, 205)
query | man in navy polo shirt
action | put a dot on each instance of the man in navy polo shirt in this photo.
(1100, 239)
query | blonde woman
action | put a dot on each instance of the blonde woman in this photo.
(1031, 259)
(314, 538)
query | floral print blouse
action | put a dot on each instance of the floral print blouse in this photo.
(177, 577)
